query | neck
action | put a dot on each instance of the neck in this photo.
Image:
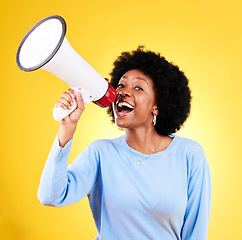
(143, 140)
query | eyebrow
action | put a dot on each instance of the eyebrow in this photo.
(139, 78)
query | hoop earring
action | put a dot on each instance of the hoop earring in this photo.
(154, 120)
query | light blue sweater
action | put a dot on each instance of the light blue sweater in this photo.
(166, 197)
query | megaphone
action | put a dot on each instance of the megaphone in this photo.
(46, 47)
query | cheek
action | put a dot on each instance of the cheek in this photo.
(148, 99)
(145, 106)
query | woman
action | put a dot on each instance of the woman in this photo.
(148, 183)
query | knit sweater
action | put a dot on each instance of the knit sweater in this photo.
(166, 197)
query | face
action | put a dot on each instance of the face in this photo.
(135, 103)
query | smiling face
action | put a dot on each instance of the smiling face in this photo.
(135, 103)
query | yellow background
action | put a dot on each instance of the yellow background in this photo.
(203, 37)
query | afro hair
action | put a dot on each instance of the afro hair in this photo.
(173, 95)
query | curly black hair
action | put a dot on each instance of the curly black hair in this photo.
(173, 95)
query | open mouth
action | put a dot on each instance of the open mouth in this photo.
(124, 108)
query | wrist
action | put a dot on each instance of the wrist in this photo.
(66, 133)
(68, 125)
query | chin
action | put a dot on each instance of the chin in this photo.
(120, 124)
(124, 120)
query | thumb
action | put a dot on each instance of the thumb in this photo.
(80, 104)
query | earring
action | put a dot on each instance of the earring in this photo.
(154, 120)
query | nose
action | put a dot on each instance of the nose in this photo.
(124, 92)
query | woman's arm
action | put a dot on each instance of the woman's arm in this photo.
(57, 182)
(197, 214)
(54, 177)
(63, 185)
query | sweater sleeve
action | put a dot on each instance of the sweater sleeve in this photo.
(197, 213)
(62, 185)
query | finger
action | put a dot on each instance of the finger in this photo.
(66, 102)
(71, 92)
(61, 105)
(68, 98)
(79, 100)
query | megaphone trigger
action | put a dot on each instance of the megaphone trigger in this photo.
(86, 96)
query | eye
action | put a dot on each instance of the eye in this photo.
(139, 88)
(120, 85)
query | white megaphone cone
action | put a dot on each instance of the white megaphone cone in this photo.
(45, 46)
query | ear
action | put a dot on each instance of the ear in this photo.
(155, 110)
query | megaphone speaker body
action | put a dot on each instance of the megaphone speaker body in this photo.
(46, 47)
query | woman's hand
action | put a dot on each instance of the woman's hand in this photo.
(66, 102)
(69, 123)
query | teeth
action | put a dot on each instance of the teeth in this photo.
(125, 104)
